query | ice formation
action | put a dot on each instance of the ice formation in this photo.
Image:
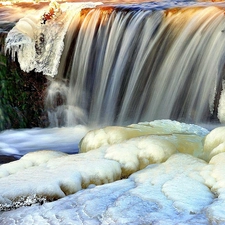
(38, 42)
(112, 135)
(165, 179)
(221, 108)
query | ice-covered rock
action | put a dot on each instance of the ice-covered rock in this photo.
(39, 45)
(158, 177)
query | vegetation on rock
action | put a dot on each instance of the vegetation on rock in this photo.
(22, 94)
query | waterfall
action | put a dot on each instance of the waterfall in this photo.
(123, 65)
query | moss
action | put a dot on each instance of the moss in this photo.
(22, 95)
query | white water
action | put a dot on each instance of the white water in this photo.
(20, 142)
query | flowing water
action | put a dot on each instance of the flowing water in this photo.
(127, 65)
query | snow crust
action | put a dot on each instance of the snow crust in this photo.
(172, 174)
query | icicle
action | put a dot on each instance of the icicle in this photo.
(39, 40)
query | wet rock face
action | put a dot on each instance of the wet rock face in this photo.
(6, 159)
(22, 94)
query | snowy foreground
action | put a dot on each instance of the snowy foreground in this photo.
(163, 172)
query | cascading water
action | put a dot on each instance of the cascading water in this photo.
(121, 66)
